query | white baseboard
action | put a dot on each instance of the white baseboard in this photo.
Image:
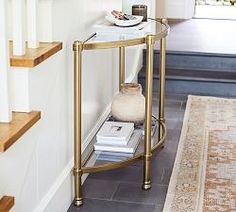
(67, 171)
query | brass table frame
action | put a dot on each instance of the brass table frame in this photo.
(149, 40)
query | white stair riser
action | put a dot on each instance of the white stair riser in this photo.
(19, 92)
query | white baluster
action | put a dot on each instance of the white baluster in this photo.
(32, 23)
(18, 16)
(5, 113)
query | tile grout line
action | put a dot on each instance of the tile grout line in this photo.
(113, 194)
(120, 201)
(131, 183)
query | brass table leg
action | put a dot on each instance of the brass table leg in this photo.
(148, 113)
(77, 48)
(162, 82)
(121, 66)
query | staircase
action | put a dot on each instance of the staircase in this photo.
(196, 73)
(19, 57)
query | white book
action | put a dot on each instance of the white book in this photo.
(114, 158)
(129, 148)
(114, 142)
(115, 131)
(107, 153)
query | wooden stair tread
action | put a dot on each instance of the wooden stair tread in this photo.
(6, 203)
(11, 132)
(33, 57)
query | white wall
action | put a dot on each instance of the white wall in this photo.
(37, 169)
(175, 9)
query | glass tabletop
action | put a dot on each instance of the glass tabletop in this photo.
(126, 36)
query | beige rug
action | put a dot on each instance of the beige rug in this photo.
(204, 173)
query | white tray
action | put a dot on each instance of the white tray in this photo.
(124, 23)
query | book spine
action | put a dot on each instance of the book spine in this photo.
(117, 149)
(112, 154)
(114, 143)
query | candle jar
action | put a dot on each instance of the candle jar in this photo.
(127, 5)
(141, 10)
(129, 104)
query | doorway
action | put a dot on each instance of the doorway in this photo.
(215, 9)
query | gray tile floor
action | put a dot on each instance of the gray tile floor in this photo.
(120, 190)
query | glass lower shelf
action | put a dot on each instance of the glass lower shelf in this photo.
(101, 160)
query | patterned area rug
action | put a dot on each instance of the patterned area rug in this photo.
(204, 173)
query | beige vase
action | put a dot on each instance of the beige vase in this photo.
(129, 104)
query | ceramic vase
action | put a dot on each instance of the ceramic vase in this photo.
(129, 104)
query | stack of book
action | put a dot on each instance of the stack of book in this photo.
(117, 139)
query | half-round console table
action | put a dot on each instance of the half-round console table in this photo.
(158, 31)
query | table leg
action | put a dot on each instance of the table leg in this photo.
(77, 48)
(162, 84)
(121, 66)
(148, 113)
